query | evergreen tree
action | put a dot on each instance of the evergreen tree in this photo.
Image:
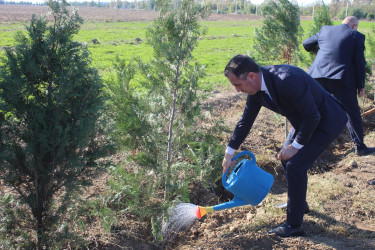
(157, 122)
(278, 37)
(173, 76)
(50, 106)
(321, 18)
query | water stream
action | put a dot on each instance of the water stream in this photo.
(181, 218)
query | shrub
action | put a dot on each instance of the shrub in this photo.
(370, 16)
(50, 133)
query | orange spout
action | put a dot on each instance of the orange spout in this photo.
(198, 212)
(202, 211)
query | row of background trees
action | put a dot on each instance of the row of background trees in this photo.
(337, 8)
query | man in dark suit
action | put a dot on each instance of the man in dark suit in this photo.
(339, 67)
(316, 116)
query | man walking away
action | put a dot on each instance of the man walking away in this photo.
(339, 67)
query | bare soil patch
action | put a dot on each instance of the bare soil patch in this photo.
(340, 220)
(234, 228)
(23, 13)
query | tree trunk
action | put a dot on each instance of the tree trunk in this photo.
(170, 144)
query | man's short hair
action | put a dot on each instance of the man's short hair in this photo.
(241, 64)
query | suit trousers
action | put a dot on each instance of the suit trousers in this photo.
(348, 98)
(296, 171)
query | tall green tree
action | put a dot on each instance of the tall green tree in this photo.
(50, 138)
(173, 77)
(370, 60)
(156, 111)
(278, 37)
(321, 18)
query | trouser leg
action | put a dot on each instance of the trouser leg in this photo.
(296, 173)
(355, 125)
(348, 98)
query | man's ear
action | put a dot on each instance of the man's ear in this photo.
(251, 75)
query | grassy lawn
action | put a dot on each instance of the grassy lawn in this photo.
(222, 40)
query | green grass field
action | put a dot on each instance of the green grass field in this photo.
(223, 40)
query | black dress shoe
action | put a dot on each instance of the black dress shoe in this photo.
(364, 151)
(285, 205)
(286, 230)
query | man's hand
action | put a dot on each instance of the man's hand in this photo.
(287, 153)
(227, 162)
(361, 92)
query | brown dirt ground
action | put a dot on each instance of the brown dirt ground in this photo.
(231, 229)
(23, 13)
(239, 228)
(236, 228)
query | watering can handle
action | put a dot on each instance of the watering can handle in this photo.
(244, 153)
(224, 177)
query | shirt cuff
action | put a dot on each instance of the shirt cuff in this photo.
(230, 150)
(296, 145)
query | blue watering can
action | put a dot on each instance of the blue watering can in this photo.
(249, 184)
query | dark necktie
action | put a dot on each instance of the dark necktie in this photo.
(267, 99)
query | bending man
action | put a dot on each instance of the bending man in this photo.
(316, 116)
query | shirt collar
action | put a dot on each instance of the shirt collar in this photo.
(263, 87)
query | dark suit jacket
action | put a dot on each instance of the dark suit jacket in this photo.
(340, 55)
(299, 98)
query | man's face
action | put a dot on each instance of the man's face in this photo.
(245, 83)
